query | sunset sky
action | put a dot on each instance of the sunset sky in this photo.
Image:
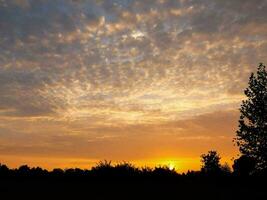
(146, 81)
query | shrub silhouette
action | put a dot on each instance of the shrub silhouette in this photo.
(244, 166)
(226, 169)
(4, 170)
(126, 169)
(38, 172)
(146, 171)
(57, 172)
(24, 170)
(103, 168)
(164, 171)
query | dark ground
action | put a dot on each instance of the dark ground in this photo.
(184, 188)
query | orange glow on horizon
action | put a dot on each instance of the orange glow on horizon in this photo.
(179, 165)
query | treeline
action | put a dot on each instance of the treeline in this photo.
(125, 181)
(102, 169)
(106, 169)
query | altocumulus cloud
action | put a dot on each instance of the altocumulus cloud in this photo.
(93, 65)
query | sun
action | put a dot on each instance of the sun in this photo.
(171, 166)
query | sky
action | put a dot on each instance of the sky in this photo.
(152, 82)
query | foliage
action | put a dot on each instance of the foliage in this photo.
(244, 166)
(252, 134)
(102, 169)
(226, 169)
(210, 162)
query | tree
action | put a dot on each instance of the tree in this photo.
(244, 166)
(252, 134)
(211, 162)
(3, 170)
(226, 169)
(24, 170)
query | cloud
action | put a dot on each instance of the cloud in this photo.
(76, 55)
(95, 66)
(139, 141)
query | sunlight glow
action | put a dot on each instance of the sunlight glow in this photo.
(171, 166)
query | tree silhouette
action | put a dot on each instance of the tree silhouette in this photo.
(3, 170)
(24, 170)
(252, 134)
(244, 166)
(226, 169)
(211, 162)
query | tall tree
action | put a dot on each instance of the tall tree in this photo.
(252, 133)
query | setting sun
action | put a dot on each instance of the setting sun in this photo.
(171, 166)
